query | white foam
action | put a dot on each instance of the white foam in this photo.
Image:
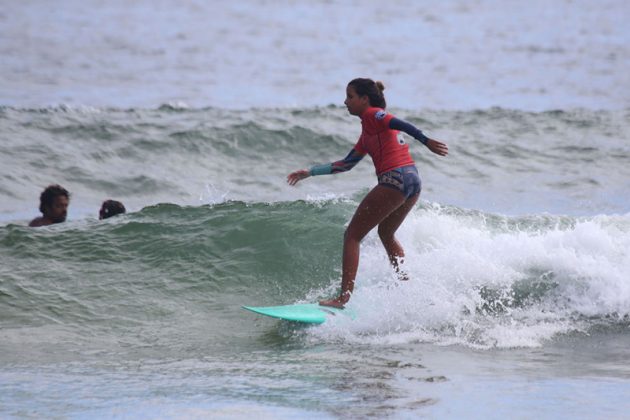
(488, 283)
(213, 195)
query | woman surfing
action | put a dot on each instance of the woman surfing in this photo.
(399, 185)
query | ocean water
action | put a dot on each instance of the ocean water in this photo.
(193, 114)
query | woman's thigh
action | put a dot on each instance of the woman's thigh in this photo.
(375, 207)
(392, 222)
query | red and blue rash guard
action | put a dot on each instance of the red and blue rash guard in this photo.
(379, 139)
(381, 142)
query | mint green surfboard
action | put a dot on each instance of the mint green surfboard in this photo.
(310, 313)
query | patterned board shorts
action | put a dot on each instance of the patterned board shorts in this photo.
(405, 179)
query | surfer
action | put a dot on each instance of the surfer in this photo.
(53, 203)
(399, 185)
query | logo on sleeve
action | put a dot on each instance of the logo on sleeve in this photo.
(380, 115)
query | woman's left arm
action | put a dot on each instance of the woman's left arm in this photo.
(435, 146)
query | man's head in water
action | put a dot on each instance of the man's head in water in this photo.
(111, 208)
(53, 203)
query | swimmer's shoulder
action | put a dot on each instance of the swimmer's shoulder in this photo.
(38, 221)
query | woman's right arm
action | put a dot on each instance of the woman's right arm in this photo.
(343, 165)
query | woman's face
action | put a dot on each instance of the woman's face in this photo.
(356, 104)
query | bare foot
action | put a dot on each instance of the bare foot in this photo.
(335, 303)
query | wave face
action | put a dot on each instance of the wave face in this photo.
(478, 279)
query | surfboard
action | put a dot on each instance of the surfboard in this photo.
(310, 313)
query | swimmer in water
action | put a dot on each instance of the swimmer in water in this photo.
(111, 208)
(53, 203)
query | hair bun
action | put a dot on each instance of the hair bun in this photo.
(380, 85)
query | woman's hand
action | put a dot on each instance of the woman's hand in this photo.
(437, 147)
(296, 176)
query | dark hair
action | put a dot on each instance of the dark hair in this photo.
(373, 90)
(111, 208)
(48, 196)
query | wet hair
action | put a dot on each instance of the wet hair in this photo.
(373, 90)
(111, 208)
(47, 198)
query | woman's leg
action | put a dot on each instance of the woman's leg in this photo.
(375, 207)
(388, 227)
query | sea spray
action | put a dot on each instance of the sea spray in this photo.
(484, 280)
